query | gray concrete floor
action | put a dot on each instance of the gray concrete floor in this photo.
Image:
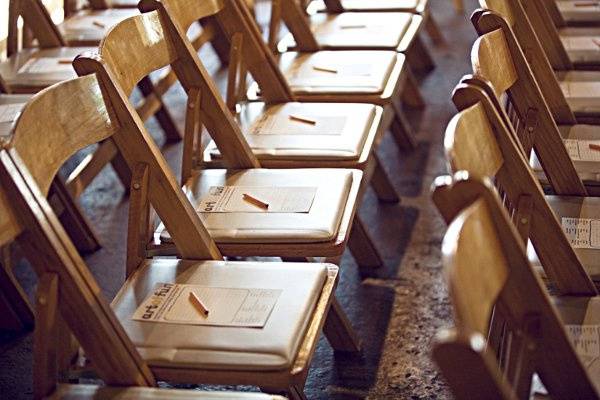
(396, 311)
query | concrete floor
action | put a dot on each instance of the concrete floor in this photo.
(408, 294)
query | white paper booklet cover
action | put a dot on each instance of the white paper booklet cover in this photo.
(10, 112)
(239, 307)
(254, 199)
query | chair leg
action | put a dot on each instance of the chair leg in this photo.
(433, 30)
(401, 131)
(338, 330)
(362, 247)
(295, 392)
(162, 115)
(419, 57)
(73, 219)
(16, 314)
(381, 184)
(411, 94)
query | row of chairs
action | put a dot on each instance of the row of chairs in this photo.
(312, 116)
(520, 253)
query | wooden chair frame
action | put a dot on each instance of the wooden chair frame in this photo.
(63, 273)
(540, 344)
(236, 153)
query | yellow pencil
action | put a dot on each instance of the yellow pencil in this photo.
(99, 24)
(595, 147)
(197, 303)
(323, 69)
(303, 119)
(255, 201)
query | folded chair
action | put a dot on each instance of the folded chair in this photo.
(328, 76)
(487, 272)
(421, 7)
(121, 350)
(391, 31)
(283, 133)
(533, 118)
(320, 228)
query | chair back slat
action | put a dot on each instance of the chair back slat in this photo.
(492, 60)
(44, 137)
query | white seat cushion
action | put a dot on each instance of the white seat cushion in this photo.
(320, 224)
(588, 171)
(7, 99)
(582, 49)
(581, 90)
(360, 30)
(579, 11)
(339, 134)
(582, 311)
(272, 347)
(359, 71)
(9, 69)
(575, 207)
(92, 25)
(375, 5)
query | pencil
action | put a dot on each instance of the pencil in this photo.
(594, 146)
(255, 201)
(99, 24)
(198, 304)
(65, 61)
(353, 26)
(586, 3)
(303, 119)
(323, 69)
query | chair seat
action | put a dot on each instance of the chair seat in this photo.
(93, 392)
(52, 67)
(582, 49)
(124, 3)
(320, 224)
(582, 311)
(581, 90)
(363, 31)
(577, 137)
(339, 134)
(272, 347)
(577, 11)
(338, 72)
(88, 27)
(18, 100)
(414, 6)
(575, 207)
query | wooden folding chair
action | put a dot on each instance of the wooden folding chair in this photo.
(283, 133)
(123, 351)
(328, 76)
(573, 93)
(487, 272)
(533, 121)
(394, 31)
(322, 232)
(421, 7)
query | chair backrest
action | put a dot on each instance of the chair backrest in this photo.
(144, 43)
(478, 141)
(514, 14)
(497, 58)
(487, 272)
